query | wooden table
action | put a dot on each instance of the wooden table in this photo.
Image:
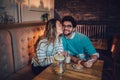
(94, 73)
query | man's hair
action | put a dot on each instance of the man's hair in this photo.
(69, 18)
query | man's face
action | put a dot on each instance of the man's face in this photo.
(68, 29)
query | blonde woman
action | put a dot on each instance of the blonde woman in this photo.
(49, 46)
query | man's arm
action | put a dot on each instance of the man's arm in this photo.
(74, 59)
(88, 63)
(94, 57)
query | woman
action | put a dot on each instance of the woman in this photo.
(48, 47)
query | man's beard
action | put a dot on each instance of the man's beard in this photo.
(68, 34)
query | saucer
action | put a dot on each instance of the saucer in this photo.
(77, 66)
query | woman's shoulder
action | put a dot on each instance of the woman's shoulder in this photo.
(42, 42)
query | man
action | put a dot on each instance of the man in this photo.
(77, 44)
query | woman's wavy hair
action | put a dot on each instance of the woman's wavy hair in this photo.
(50, 31)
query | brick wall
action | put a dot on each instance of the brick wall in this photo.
(88, 9)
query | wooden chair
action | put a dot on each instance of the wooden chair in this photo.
(116, 57)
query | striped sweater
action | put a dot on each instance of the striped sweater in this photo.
(45, 53)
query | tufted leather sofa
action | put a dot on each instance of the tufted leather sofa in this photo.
(17, 44)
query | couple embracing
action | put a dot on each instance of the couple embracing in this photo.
(60, 37)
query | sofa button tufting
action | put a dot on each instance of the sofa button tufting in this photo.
(29, 46)
(33, 37)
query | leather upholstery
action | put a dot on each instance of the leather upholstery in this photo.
(17, 48)
(23, 40)
(6, 58)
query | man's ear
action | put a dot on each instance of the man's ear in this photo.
(74, 29)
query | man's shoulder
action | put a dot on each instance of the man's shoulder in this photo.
(63, 37)
(80, 35)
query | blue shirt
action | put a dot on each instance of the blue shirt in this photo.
(78, 44)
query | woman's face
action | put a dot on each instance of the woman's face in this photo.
(59, 29)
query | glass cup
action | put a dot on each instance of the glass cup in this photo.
(67, 57)
(59, 68)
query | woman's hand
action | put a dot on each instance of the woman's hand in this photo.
(63, 53)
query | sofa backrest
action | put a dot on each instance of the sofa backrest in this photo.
(23, 41)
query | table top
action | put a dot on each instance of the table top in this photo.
(94, 73)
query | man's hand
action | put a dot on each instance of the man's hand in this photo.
(74, 59)
(88, 64)
(94, 58)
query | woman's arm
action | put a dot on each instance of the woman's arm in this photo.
(43, 59)
(44, 54)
